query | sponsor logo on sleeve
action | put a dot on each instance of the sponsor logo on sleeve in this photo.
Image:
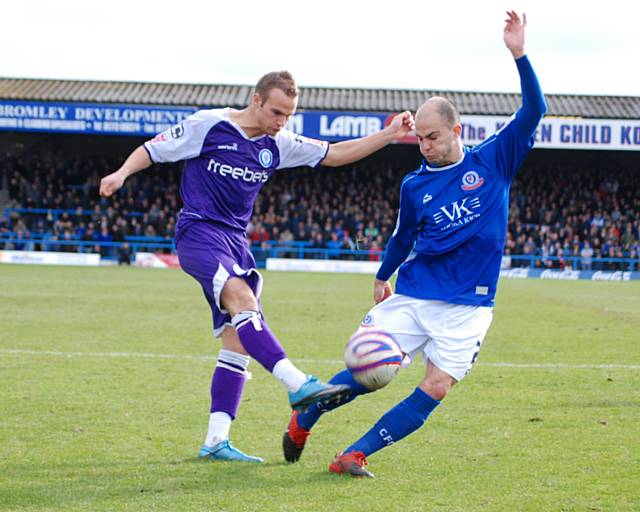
(161, 137)
(265, 157)
(177, 131)
(308, 140)
(471, 181)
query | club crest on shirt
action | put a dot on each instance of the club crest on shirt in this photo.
(471, 181)
(265, 157)
(367, 320)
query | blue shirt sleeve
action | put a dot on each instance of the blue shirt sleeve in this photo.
(403, 238)
(506, 149)
(533, 105)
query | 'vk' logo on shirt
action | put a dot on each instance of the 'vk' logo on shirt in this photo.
(458, 210)
(266, 158)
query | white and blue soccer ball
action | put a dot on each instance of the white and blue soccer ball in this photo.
(373, 356)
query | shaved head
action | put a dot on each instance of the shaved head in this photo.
(438, 130)
(441, 106)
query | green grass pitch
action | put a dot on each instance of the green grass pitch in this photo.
(104, 397)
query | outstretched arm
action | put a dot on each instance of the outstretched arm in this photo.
(533, 104)
(349, 151)
(137, 161)
(399, 246)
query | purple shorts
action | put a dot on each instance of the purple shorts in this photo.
(212, 254)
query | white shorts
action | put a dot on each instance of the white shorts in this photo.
(448, 335)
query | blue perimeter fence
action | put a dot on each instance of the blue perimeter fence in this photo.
(270, 249)
(301, 250)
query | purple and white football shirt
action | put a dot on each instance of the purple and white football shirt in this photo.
(224, 169)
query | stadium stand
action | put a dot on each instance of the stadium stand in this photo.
(577, 209)
(583, 218)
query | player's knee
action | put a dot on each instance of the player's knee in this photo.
(230, 341)
(237, 296)
(437, 388)
(243, 318)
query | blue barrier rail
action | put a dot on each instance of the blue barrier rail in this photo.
(301, 250)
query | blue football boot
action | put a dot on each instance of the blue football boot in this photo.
(225, 451)
(314, 391)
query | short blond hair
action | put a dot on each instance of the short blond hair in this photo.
(276, 80)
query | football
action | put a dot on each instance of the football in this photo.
(373, 356)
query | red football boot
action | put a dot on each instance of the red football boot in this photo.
(352, 463)
(294, 439)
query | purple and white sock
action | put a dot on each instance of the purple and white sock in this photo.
(227, 385)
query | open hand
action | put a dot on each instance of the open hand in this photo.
(514, 33)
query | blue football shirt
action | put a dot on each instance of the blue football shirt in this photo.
(455, 217)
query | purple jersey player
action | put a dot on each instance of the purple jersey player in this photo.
(228, 156)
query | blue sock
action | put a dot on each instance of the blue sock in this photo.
(308, 419)
(406, 417)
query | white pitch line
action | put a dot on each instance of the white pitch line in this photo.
(153, 355)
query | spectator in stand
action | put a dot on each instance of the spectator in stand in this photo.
(371, 231)
(347, 244)
(259, 235)
(124, 254)
(586, 253)
(374, 251)
(506, 259)
(67, 238)
(334, 245)
(286, 242)
(102, 237)
(597, 220)
(317, 243)
(116, 234)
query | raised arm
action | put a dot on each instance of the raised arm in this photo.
(533, 104)
(137, 161)
(514, 33)
(349, 151)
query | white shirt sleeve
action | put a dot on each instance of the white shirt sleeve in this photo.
(296, 150)
(184, 140)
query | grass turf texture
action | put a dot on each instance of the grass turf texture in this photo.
(86, 425)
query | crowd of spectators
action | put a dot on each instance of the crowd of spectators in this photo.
(574, 217)
(565, 216)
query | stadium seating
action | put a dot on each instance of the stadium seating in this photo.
(559, 216)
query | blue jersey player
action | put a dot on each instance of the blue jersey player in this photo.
(228, 156)
(453, 214)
